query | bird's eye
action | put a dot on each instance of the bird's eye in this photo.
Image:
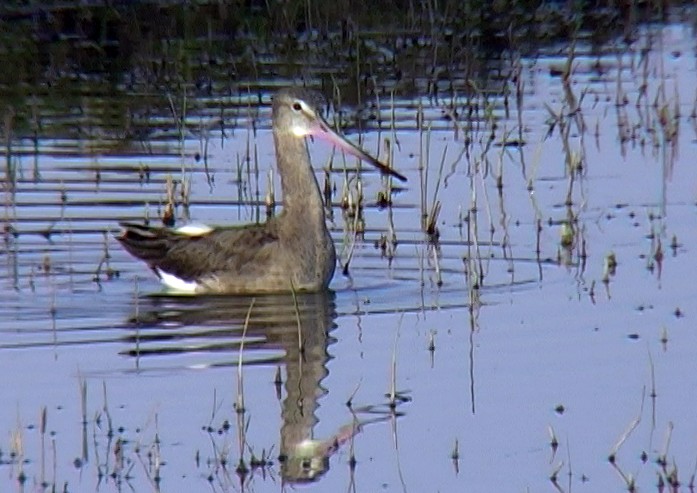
(297, 106)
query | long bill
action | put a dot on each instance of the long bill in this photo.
(324, 131)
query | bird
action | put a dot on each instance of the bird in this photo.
(290, 252)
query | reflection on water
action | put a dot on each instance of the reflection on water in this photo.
(291, 332)
(555, 180)
(163, 325)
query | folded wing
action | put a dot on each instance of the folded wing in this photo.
(193, 257)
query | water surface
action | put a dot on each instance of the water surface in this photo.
(544, 329)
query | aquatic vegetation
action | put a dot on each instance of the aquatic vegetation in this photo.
(521, 305)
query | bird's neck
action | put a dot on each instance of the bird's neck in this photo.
(301, 194)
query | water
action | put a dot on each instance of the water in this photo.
(519, 357)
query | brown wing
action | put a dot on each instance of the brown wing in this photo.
(187, 257)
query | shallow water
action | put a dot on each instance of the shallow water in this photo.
(502, 347)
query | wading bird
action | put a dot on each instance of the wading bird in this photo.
(292, 251)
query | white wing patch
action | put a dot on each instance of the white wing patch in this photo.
(194, 229)
(175, 284)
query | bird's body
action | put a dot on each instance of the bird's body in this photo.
(292, 251)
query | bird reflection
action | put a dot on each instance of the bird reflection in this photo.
(294, 330)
